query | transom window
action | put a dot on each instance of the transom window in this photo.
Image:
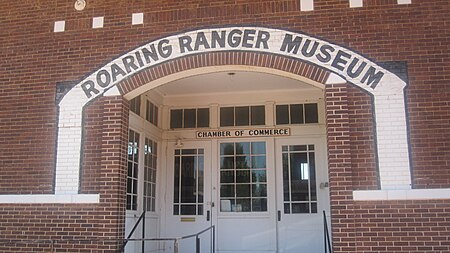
(133, 168)
(188, 182)
(243, 177)
(151, 113)
(242, 116)
(297, 114)
(135, 105)
(299, 179)
(189, 118)
(150, 157)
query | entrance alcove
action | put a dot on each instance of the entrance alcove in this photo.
(235, 86)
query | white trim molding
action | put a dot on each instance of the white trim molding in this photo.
(412, 194)
(50, 199)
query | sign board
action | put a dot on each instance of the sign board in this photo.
(234, 133)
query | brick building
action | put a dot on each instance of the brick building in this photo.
(260, 120)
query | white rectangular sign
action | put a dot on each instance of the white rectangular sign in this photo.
(263, 132)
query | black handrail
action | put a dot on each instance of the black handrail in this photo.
(326, 235)
(177, 239)
(142, 217)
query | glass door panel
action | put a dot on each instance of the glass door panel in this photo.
(188, 192)
(301, 167)
(246, 213)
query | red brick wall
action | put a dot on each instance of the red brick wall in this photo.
(402, 226)
(80, 227)
(34, 59)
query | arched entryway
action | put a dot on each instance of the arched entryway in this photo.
(273, 202)
(294, 55)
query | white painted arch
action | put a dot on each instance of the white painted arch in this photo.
(387, 90)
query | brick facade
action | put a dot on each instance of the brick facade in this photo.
(35, 59)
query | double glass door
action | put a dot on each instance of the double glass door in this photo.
(262, 195)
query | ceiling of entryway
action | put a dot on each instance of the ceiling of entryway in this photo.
(236, 81)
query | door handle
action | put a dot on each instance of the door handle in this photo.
(279, 215)
(208, 215)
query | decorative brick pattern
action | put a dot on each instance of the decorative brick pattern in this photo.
(224, 58)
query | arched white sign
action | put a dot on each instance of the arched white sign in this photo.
(387, 90)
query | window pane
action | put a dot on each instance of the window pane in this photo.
(176, 181)
(188, 184)
(148, 115)
(297, 114)
(227, 116)
(258, 115)
(312, 174)
(155, 121)
(242, 162)
(258, 148)
(176, 118)
(258, 162)
(242, 116)
(189, 118)
(242, 148)
(300, 208)
(299, 184)
(200, 175)
(242, 205)
(311, 113)
(203, 117)
(259, 190)
(243, 190)
(227, 191)
(259, 176)
(226, 163)
(227, 176)
(188, 210)
(259, 205)
(189, 151)
(135, 105)
(243, 176)
(282, 114)
(227, 149)
(226, 205)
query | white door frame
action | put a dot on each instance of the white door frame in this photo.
(323, 202)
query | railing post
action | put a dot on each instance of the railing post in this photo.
(197, 244)
(143, 234)
(324, 232)
(175, 246)
(213, 239)
(326, 237)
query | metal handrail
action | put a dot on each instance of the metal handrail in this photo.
(133, 229)
(176, 240)
(326, 235)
